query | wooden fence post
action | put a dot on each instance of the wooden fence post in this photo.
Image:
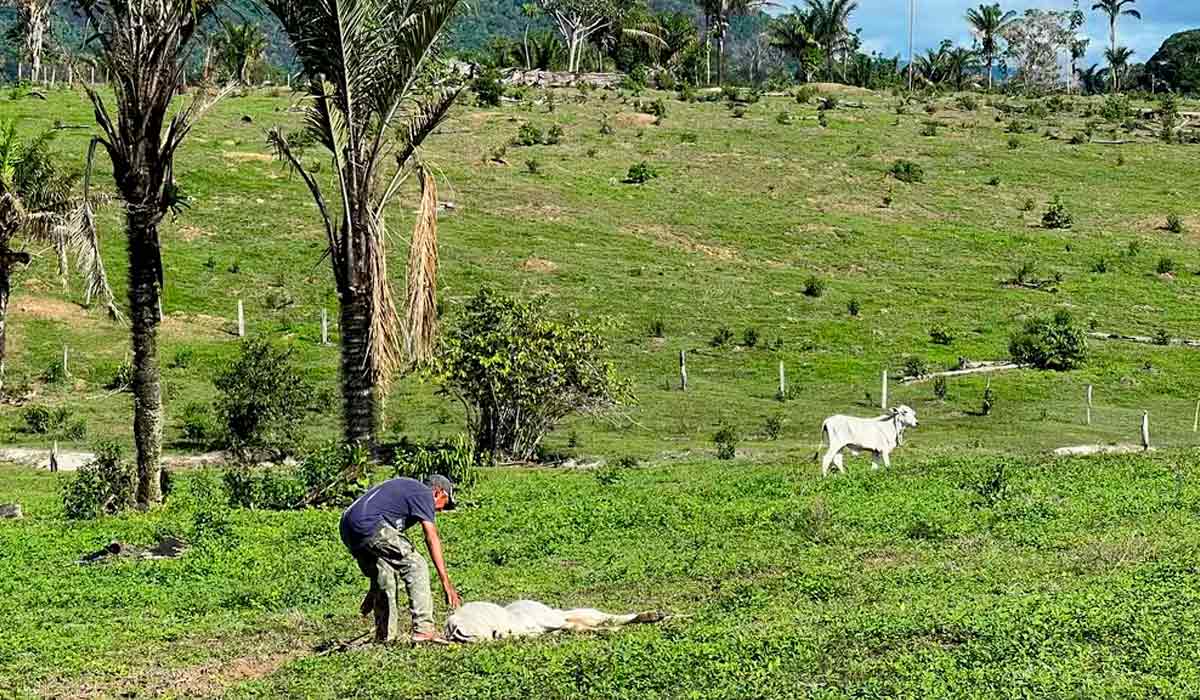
(1089, 404)
(883, 402)
(92, 76)
(1196, 420)
(782, 382)
(1145, 430)
(241, 320)
(324, 326)
(683, 370)
(54, 457)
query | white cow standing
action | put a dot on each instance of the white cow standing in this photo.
(879, 436)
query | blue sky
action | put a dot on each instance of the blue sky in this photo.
(884, 24)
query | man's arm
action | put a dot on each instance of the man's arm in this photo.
(435, 552)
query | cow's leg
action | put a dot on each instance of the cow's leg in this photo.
(837, 461)
(874, 460)
(887, 462)
(830, 454)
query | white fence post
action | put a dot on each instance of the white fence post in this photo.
(683, 370)
(1089, 404)
(782, 382)
(1145, 430)
(241, 320)
(1196, 420)
(883, 402)
(324, 326)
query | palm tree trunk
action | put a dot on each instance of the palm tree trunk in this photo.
(721, 59)
(359, 407)
(528, 64)
(144, 311)
(991, 70)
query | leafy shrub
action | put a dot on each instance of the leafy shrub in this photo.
(750, 337)
(814, 287)
(1013, 143)
(104, 486)
(726, 440)
(1116, 108)
(929, 529)
(606, 127)
(1057, 216)
(38, 419)
(991, 487)
(940, 335)
(994, 181)
(554, 136)
(784, 118)
(1165, 266)
(1100, 266)
(657, 328)
(488, 88)
(989, 400)
(915, 366)
(1161, 337)
(1134, 248)
(967, 103)
(1174, 223)
(907, 171)
(827, 103)
(455, 459)
(520, 372)
(1036, 110)
(533, 166)
(822, 120)
(198, 425)
(687, 93)
(854, 308)
(940, 388)
(929, 129)
(1055, 344)
(1028, 205)
(528, 135)
(640, 173)
(261, 401)
(723, 337)
(183, 358)
(805, 94)
(689, 137)
(612, 472)
(738, 111)
(1078, 139)
(122, 378)
(773, 427)
(658, 109)
(55, 373)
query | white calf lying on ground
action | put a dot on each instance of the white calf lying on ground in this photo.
(477, 622)
(879, 436)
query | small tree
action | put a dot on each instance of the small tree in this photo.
(518, 373)
(1056, 343)
(262, 402)
(239, 48)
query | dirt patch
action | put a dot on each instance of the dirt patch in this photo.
(202, 680)
(539, 265)
(543, 212)
(635, 119)
(480, 118)
(49, 309)
(887, 559)
(190, 233)
(673, 239)
(247, 157)
(839, 89)
(186, 325)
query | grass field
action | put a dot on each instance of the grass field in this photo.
(743, 213)
(1059, 579)
(976, 567)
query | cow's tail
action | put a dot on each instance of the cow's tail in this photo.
(821, 441)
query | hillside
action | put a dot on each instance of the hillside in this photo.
(744, 213)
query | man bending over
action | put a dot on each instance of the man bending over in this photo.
(373, 527)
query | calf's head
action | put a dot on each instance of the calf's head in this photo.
(905, 417)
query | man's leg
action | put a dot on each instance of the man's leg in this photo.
(387, 611)
(401, 557)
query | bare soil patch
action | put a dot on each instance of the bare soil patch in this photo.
(539, 265)
(663, 235)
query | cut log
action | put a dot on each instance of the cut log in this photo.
(1144, 339)
(979, 368)
(1083, 450)
(11, 511)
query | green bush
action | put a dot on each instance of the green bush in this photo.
(519, 372)
(1054, 344)
(262, 398)
(805, 94)
(940, 388)
(967, 103)
(1116, 108)
(814, 287)
(915, 366)
(940, 335)
(1057, 216)
(750, 337)
(854, 308)
(488, 87)
(907, 171)
(726, 440)
(723, 337)
(989, 400)
(455, 459)
(1174, 223)
(554, 136)
(38, 419)
(528, 135)
(1165, 266)
(198, 425)
(640, 173)
(104, 486)
(773, 427)
(121, 379)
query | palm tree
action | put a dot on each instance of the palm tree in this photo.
(1115, 9)
(717, 16)
(38, 203)
(1091, 80)
(793, 35)
(372, 84)
(988, 23)
(932, 66)
(239, 47)
(531, 12)
(144, 46)
(959, 63)
(1118, 62)
(830, 21)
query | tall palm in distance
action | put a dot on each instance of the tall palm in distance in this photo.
(1115, 9)
(793, 34)
(376, 92)
(830, 20)
(717, 16)
(988, 23)
(1118, 64)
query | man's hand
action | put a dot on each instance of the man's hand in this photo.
(453, 601)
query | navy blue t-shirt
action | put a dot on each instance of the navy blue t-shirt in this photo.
(401, 503)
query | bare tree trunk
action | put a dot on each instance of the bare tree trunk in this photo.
(360, 410)
(141, 223)
(991, 71)
(7, 260)
(721, 59)
(528, 60)
(37, 21)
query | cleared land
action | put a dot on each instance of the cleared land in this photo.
(743, 213)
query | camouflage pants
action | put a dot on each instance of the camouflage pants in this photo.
(388, 558)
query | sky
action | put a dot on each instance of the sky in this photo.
(884, 24)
